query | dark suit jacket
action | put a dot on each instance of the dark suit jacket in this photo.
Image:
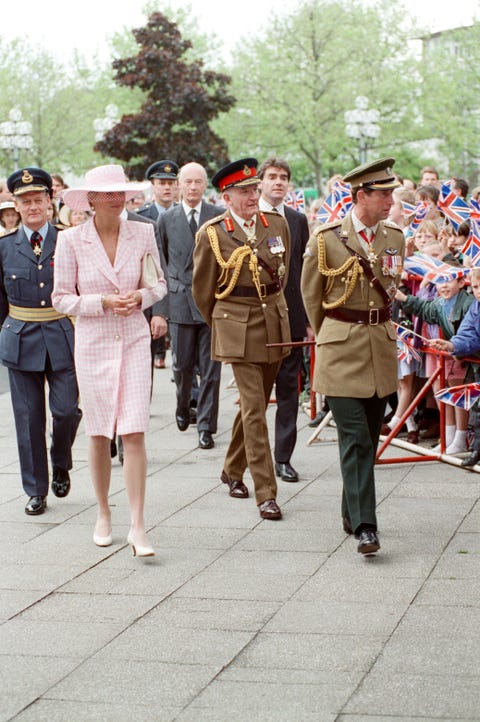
(27, 281)
(156, 309)
(176, 245)
(299, 235)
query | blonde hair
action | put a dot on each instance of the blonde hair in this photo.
(428, 227)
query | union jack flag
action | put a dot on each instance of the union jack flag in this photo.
(406, 351)
(420, 212)
(471, 249)
(337, 204)
(296, 200)
(463, 396)
(419, 264)
(453, 207)
(445, 272)
(408, 209)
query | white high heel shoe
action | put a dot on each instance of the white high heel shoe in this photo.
(102, 541)
(139, 550)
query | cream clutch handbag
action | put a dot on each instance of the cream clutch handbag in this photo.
(150, 272)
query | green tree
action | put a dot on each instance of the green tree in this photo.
(60, 102)
(294, 83)
(181, 99)
(450, 106)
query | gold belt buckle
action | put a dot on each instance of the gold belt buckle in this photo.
(373, 320)
(263, 290)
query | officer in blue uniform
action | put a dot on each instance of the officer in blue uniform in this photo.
(163, 177)
(36, 342)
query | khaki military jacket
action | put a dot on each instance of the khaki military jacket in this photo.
(352, 359)
(242, 326)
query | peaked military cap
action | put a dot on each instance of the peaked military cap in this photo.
(377, 175)
(162, 169)
(29, 179)
(240, 173)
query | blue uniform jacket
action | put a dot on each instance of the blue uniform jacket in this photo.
(26, 280)
(466, 341)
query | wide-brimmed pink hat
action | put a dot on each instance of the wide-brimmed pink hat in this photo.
(104, 179)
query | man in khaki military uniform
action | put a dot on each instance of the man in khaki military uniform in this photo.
(240, 267)
(350, 275)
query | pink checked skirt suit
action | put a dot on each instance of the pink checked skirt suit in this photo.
(112, 353)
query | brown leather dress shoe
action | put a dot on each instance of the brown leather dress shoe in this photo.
(237, 488)
(412, 437)
(347, 525)
(270, 510)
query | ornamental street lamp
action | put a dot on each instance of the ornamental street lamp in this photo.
(103, 125)
(16, 135)
(362, 125)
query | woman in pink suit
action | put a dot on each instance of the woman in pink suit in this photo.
(98, 269)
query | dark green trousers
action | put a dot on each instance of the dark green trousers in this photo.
(359, 422)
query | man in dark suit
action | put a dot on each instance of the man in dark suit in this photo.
(36, 342)
(189, 334)
(163, 176)
(275, 176)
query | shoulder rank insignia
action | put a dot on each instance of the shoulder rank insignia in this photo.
(229, 226)
(263, 219)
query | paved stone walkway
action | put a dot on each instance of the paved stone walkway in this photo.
(238, 619)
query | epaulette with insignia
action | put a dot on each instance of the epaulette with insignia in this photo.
(328, 226)
(215, 219)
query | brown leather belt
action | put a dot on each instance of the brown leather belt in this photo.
(251, 291)
(372, 317)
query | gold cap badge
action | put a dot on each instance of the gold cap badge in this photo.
(27, 176)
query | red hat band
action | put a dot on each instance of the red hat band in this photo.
(240, 175)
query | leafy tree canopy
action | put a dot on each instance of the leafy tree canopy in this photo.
(181, 99)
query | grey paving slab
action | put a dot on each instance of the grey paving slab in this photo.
(270, 563)
(328, 584)
(310, 652)
(336, 618)
(451, 592)
(48, 710)
(229, 585)
(396, 718)
(133, 682)
(250, 696)
(421, 652)
(176, 645)
(278, 538)
(439, 622)
(262, 714)
(41, 577)
(446, 697)
(84, 608)
(237, 615)
(54, 638)
(168, 537)
(13, 601)
(25, 678)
